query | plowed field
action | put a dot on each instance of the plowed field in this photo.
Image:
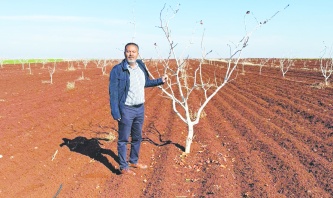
(262, 136)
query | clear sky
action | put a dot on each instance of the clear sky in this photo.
(101, 28)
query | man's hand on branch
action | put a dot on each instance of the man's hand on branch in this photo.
(165, 78)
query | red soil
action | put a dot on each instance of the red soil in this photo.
(263, 136)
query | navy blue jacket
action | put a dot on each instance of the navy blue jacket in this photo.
(119, 85)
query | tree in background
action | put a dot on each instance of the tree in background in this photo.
(285, 64)
(262, 62)
(51, 71)
(85, 62)
(1, 62)
(326, 66)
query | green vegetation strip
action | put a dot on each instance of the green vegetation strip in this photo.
(19, 61)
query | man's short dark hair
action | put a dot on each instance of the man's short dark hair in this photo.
(131, 44)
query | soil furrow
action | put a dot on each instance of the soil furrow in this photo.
(291, 121)
(260, 136)
(301, 94)
(296, 106)
(246, 166)
(293, 144)
(275, 158)
(159, 137)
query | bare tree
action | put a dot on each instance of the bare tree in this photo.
(85, 63)
(22, 61)
(315, 62)
(273, 62)
(78, 64)
(190, 80)
(44, 61)
(304, 63)
(102, 63)
(98, 62)
(29, 68)
(105, 63)
(243, 62)
(262, 62)
(51, 71)
(285, 64)
(326, 66)
(70, 65)
(1, 62)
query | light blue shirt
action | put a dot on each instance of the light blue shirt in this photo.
(136, 94)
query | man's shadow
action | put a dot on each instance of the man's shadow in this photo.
(91, 148)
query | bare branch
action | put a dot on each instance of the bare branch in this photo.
(190, 77)
(326, 65)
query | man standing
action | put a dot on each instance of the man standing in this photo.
(127, 82)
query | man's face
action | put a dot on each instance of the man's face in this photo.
(131, 53)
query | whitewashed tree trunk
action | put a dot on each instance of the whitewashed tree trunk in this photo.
(44, 61)
(1, 62)
(189, 138)
(29, 68)
(51, 72)
(22, 63)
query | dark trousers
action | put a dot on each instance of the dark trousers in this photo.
(131, 122)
